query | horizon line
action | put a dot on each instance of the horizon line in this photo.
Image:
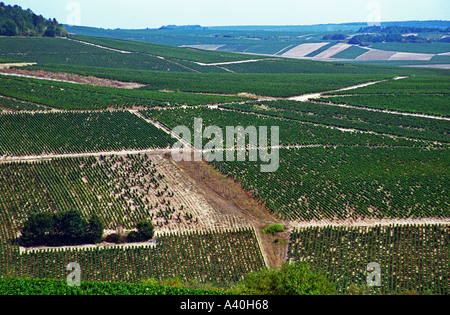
(255, 25)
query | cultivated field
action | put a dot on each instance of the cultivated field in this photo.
(362, 177)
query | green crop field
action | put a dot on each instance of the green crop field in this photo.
(432, 48)
(69, 96)
(350, 53)
(291, 133)
(351, 118)
(361, 170)
(61, 133)
(189, 256)
(411, 258)
(350, 183)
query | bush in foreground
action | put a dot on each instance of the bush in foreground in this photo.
(291, 279)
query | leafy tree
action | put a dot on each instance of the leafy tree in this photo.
(38, 229)
(335, 37)
(95, 229)
(145, 231)
(64, 228)
(50, 31)
(9, 28)
(71, 227)
(14, 21)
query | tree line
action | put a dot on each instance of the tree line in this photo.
(14, 21)
(390, 34)
(69, 228)
(401, 30)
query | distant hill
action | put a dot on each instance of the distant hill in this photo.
(182, 27)
(14, 21)
(319, 28)
(278, 39)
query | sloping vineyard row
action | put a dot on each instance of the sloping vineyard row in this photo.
(343, 183)
(69, 96)
(14, 105)
(406, 126)
(419, 104)
(35, 134)
(411, 257)
(416, 94)
(214, 257)
(121, 190)
(291, 132)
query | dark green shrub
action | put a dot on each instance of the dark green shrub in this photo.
(291, 279)
(273, 229)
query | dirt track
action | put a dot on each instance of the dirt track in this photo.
(11, 70)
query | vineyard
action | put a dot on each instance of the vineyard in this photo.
(350, 118)
(121, 190)
(66, 52)
(61, 133)
(265, 84)
(59, 287)
(350, 183)
(419, 104)
(8, 104)
(418, 94)
(411, 257)
(291, 132)
(346, 168)
(214, 257)
(67, 96)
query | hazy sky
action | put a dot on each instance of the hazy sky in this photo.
(137, 14)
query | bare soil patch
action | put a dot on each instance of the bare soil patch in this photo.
(70, 78)
(9, 65)
(229, 198)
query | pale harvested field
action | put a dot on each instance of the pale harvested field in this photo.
(384, 55)
(333, 51)
(374, 54)
(411, 56)
(203, 47)
(443, 66)
(303, 50)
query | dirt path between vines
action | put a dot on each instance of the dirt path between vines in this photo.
(230, 198)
